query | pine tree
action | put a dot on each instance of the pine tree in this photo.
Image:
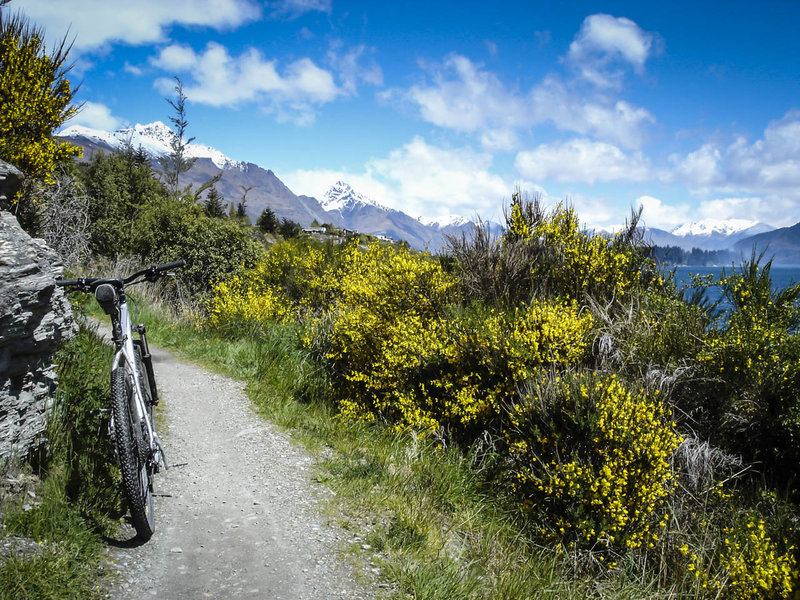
(267, 221)
(215, 203)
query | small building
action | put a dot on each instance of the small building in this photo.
(313, 230)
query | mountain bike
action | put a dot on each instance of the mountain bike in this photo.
(133, 393)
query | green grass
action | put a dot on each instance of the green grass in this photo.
(79, 493)
(424, 516)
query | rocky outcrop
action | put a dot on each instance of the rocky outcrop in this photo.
(10, 179)
(35, 318)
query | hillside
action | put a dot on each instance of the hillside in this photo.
(783, 244)
(341, 205)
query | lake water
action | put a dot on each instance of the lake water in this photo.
(782, 276)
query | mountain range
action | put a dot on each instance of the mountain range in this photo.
(343, 206)
(340, 206)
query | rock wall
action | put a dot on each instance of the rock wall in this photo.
(35, 318)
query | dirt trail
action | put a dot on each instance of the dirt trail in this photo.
(240, 520)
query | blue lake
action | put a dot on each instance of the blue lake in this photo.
(782, 276)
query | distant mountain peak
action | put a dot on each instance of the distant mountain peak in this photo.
(341, 197)
(444, 221)
(155, 138)
(707, 227)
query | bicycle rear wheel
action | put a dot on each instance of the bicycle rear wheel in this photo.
(133, 452)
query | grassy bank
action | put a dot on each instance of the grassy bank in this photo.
(77, 497)
(424, 515)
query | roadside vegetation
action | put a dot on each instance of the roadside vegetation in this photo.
(536, 415)
(55, 525)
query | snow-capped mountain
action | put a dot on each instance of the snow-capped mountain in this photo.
(708, 234)
(341, 205)
(714, 226)
(341, 198)
(154, 138)
(444, 221)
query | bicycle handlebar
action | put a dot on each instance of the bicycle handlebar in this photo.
(151, 274)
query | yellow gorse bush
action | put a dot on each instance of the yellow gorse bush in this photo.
(594, 459)
(36, 100)
(575, 263)
(747, 565)
(292, 278)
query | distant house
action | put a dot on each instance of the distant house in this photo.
(383, 238)
(311, 230)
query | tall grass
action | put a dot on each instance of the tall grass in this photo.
(78, 498)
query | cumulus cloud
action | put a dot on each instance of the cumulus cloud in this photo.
(219, 79)
(768, 167)
(96, 23)
(618, 121)
(96, 116)
(656, 213)
(465, 97)
(582, 161)
(699, 169)
(606, 45)
(420, 179)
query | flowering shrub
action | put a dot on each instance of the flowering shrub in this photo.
(384, 318)
(293, 277)
(754, 357)
(592, 457)
(746, 565)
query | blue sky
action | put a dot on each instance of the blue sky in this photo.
(690, 109)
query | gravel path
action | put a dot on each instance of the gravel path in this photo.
(241, 519)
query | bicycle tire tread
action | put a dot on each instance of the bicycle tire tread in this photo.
(127, 455)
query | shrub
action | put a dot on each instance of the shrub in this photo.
(754, 359)
(458, 369)
(295, 277)
(546, 254)
(213, 248)
(591, 460)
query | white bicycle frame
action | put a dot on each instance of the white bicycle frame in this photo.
(126, 352)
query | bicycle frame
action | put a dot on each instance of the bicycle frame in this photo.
(122, 333)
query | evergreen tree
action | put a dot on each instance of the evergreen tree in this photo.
(267, 221)
(35, 98)
(215, 203)
(288, 228)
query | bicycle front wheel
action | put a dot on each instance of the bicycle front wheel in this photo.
(133, 452)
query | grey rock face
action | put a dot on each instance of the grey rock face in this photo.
(35, 318)
(10, 179)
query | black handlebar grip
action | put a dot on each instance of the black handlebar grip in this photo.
(171, 265)
(66, 282)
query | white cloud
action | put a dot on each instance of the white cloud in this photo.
(96, 116)
(354, 65)
(614, 121)
(762, 178)
(219, 79)
(421, 180)
(663, 216)
(775, 210)
(95, 23)
(291, 9)
(582, 161)
(467, 98)
(133, 69)
(700, 168)
(605, 45)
